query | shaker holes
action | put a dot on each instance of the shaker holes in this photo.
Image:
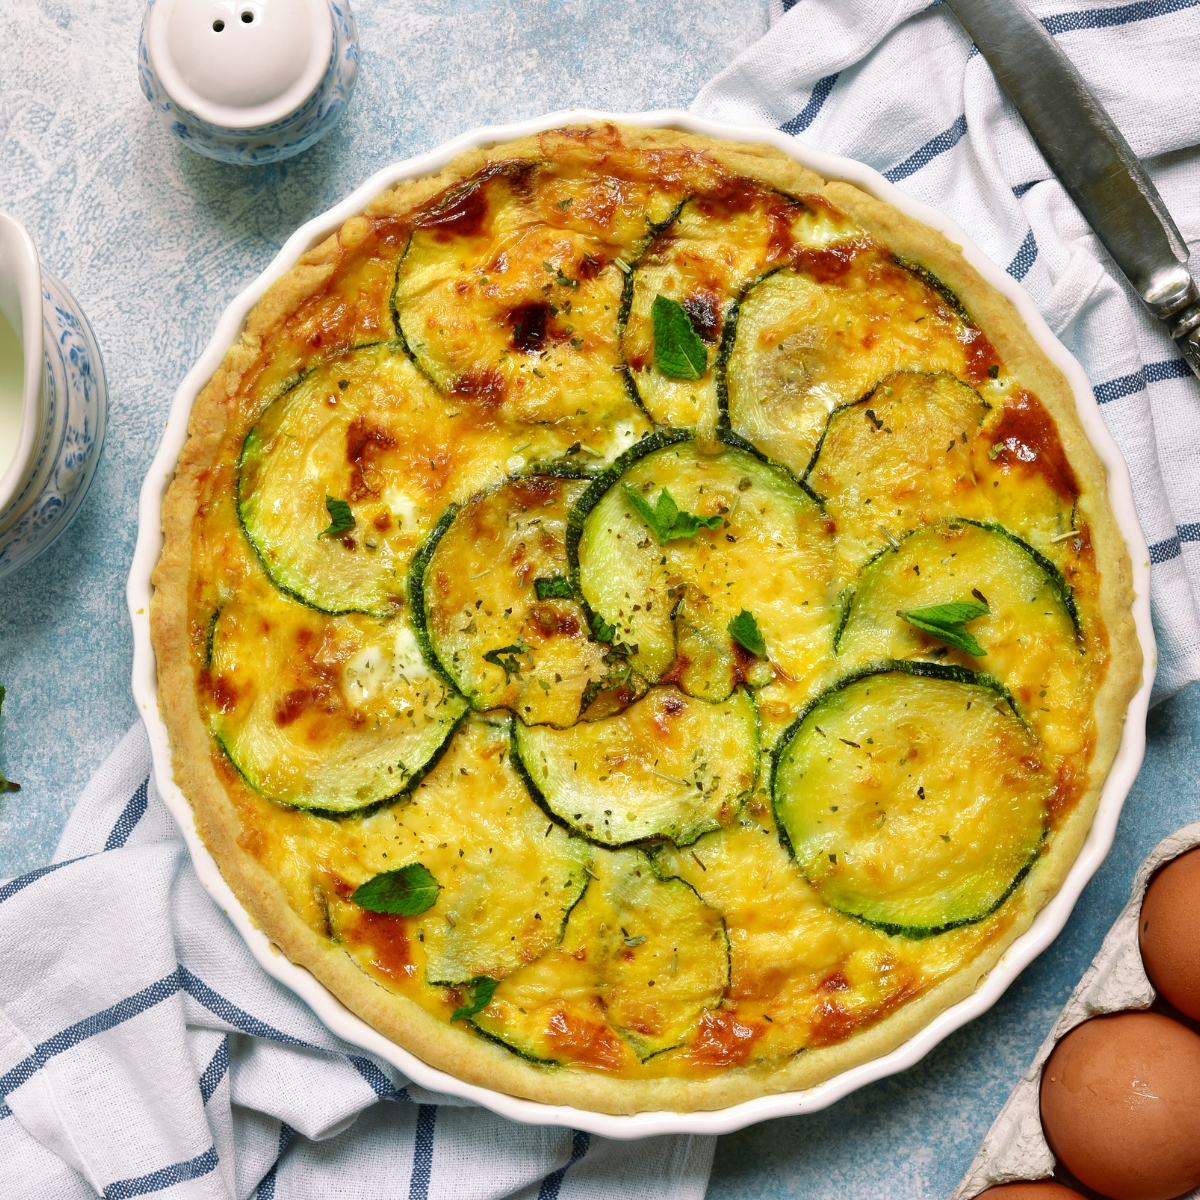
(218, 26)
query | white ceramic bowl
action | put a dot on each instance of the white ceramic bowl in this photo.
(344, 1023)
(21, 303)
(64, 406)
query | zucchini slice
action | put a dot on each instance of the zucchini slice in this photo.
(812, 339)
(509, 304)
(899, 458)
(1031, 608)
(643, 958)
(912, 796)
(331, 713)
(498, 608)
(672, 603)
(668, 766)
(507, 883)
(368, 430)
(713, 248)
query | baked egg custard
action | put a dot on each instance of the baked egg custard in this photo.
(640, 622)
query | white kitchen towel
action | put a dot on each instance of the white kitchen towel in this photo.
(900, 86)
(144, 1052)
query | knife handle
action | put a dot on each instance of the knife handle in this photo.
(1185, 329)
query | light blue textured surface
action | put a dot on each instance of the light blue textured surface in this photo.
(155, 241)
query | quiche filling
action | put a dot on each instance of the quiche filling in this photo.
(663, 596)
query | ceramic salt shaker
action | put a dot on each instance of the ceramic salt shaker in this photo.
(53, 402)
(248, 81)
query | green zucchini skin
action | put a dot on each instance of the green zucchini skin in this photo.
(295, 457)
(807, 365)
(416, 593)
(974, 899)
(843, 410)
(481, 616)
(670, 605)
(942, 288)
(1053, 576)
(657, 440)
(533, 343)
(636, 926)
(350, 809)
(718, 244)
(596, 492)
(928, 670)
(1058, 581)
(348, 734)
(738, 762)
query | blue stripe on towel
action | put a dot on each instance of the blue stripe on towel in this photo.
(179, 979)
(816, 99)
(552, 1184)
(232, 1015)
(1128, 385)
(132, 813)
(265, 1189)
(946, 140)
(266, 1186)
(1105, 18)
(215, 1071)
(156, 1181)
(1119, 388)
(1024, 258)
(106, 1019)
(1172, 547)
(1171, 368)
(1166, 550)
(422, 1167)
(381, 1085)
(13, 886)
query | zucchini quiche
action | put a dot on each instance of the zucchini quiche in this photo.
(640, 622)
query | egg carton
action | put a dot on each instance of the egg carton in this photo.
(1015, 1147)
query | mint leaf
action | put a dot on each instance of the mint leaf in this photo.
(745, 631)
(947, 623)
(666, 519)
(553, 588)
(6, 785)
(678, 351)
(406, 892)
(483, 987)
(602, 631)
(511, 665)
(341, 518)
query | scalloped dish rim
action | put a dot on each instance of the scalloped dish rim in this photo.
(1048, 923)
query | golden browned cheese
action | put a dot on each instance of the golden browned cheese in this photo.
(465, 373)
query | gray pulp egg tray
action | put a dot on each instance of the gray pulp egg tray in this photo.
(1015, 1147)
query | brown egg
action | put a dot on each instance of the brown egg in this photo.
(1041, 1189)
(1170, 933)
(1121, 1105)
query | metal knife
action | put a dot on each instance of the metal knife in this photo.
(1092, 161)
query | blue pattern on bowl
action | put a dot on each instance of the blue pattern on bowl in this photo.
(76, 408)
(266, 143)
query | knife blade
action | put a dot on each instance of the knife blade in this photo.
(1092, 161)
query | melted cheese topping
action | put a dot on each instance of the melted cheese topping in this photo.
(523, 301)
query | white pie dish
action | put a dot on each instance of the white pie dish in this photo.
(1047, 924)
